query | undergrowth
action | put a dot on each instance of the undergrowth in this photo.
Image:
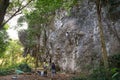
(100, 74)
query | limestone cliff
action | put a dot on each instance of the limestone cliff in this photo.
(74, 40)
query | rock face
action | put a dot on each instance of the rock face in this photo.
(74, 41)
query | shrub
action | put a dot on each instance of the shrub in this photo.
(24, 67)
(114, 61)
(7, 70)
(98, 74)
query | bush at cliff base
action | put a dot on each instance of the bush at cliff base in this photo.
(24, 67)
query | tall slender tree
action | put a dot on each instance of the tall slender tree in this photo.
(102, 39)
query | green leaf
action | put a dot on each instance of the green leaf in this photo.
(114, 75)
(6, 26)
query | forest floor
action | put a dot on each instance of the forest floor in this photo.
(32, 76)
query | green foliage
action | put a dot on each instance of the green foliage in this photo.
(4, 41)
(4, 72)
(99, 74)
(13, 51)
(16, 5)
(12, 54)
(114, 61)
(116, 76)
(14, 47)
(12, 59)
(6, 26)
(40, 17)
(8, 70)
(47, 6)
(78, 78)
(113, 72)
(24, 67)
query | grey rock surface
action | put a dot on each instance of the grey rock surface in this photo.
(74, 41)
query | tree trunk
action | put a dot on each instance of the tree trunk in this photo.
(3, 7)
(36, 57)
(103, 45)
(36, 62)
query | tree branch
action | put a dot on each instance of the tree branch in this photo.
(19, 9)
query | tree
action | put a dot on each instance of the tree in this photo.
(4, 42)
(102, 40)
(38, 22)
(3, 7)
(12, 54)
(14, 50)
(7, 5)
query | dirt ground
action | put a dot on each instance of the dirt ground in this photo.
(32, 76)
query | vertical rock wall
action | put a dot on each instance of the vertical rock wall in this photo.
(74, 41)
